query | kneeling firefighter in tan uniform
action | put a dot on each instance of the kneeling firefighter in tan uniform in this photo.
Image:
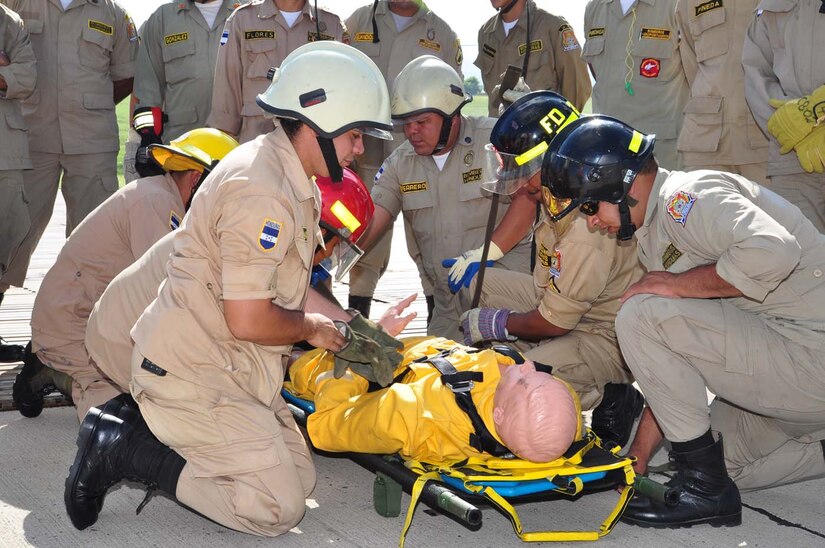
(220, 439)
(108, 240)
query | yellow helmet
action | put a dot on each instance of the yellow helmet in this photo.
(199, 149)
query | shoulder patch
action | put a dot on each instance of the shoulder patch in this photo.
(419, 186)
(268, 238)
(131, 30)
(670, 256)
(555, 263)
(224, 36)
(174, 220)
(679, 206)
(705, 7)
(488, 50)
(101, 27)
(459, 53)
(378, 174)
(568, 38)
(654, 33)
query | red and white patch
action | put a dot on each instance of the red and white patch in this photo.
(650, 67)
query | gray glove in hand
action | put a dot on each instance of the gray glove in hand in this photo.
(364, 357)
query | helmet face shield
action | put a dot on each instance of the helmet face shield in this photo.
(378, 133)
(556, 208)
(512, 171)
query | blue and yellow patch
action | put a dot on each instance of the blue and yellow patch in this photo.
(268, 237)
(679, 206)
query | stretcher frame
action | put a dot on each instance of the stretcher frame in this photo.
(455, 490)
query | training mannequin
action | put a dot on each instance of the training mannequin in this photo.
(533, 414)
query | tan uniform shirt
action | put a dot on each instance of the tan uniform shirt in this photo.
(555, 56)
(80, 52)
(256, 38)
(176, 64)
(425, 34)
(108, 240)
(446, 212)
(126, 297)
(581, 274)
(20, 77)
(761, 245)
(718, 129)
(654, 68)
(782, 59)
(250, 234)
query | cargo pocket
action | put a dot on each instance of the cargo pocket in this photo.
(179, 62)
(702, 127)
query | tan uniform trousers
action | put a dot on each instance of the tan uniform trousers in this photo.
(90, 387)
(247, 465)
(14, 218)
(587, 361)
(804, 190)
(87, 180)
(679, 348)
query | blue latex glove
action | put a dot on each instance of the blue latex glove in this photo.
(464, 268)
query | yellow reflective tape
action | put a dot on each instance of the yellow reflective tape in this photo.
(635, 142)
(345, 216)
(534, 152)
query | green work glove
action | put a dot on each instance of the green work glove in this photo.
(794, 119)
(811, 151)
(364, 357)
(373, 331)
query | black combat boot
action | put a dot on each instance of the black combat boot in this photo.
(361, 304)
(706, 494)
(111, 450)
(35, 381)
(10, 353)
(615, 417)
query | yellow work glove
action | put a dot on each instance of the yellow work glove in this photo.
(811, 151)
(794, 119)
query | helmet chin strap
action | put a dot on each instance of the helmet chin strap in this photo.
(446, 127)
(508, 7)
(336, 172)
(205, 173)
(627, 228)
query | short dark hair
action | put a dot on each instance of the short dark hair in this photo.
(291, 126)
(650, 166)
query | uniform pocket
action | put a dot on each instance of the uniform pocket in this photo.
(261, 57)
(95, 45)
(593, 47)
(702, 127)
(179, 61)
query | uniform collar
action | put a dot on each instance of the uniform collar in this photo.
(466, 136)
(653, 199)
(268, 9)
(303, 187)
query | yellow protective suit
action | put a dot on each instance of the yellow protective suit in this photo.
(417, 417)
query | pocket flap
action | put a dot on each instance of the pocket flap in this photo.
(703, 105)
(178, 49)
(593, 46)
(98, 101)
(102, 34)
(15, 121)
(34, 26)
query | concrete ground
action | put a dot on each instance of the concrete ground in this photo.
(35, 455)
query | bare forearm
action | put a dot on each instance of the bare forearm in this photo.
(702, 282)
(265, 323)
(532, 326)
(318, 304)
(516, 223)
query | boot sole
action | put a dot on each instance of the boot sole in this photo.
(85, 437)
(731, 520)
(27, 402)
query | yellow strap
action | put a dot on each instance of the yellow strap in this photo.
(415, 494)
